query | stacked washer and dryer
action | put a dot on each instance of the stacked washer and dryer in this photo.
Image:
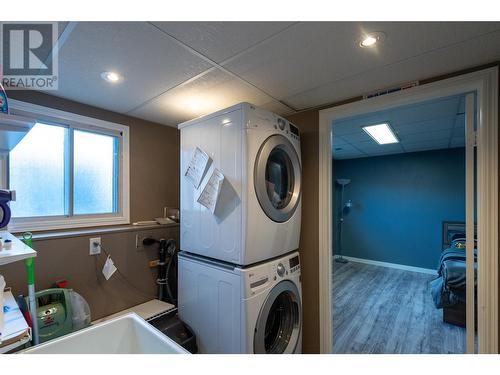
(239, 269)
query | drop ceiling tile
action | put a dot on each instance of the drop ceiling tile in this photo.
(431, 115)
(439, 61)
(426, 145)
(345, 148)
(338, 141)
(343, 128)
(149, 61)
(44, 54)
(441, 124)
(435, 109)
(222, 40)
(425, 137)
(371, 147)
(385, 152)
(308, 55)
(358, 137)
(211, 92)
(277, 107)
(347, 154)
(427, 148)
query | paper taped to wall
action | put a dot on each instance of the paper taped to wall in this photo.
(197, 166)
(211, 191)
(109, 268)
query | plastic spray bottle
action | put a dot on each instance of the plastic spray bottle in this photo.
(4, 106)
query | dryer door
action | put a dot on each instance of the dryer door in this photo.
(277, 178)
(279, 323)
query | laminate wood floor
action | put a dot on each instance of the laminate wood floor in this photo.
(386, 310)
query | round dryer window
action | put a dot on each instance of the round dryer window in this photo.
(279, 323)
(277, 178)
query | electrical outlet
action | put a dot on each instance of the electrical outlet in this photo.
(138, 241)
(95, 246)
(139, 237)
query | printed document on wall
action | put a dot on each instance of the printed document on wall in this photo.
(197, 166)
(210, 193)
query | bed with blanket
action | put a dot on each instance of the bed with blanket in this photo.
(448, 289)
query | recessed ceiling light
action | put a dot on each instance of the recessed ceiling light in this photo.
(370, 39)
(194, 104)
(381, 133)
(112, 77)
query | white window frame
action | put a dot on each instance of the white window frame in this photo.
(54, 116)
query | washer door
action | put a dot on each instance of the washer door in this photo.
(279, 323)
(277, 178)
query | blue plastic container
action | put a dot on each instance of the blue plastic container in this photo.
(4, 106)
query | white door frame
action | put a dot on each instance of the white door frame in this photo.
(485, 83)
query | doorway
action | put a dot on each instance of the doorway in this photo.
(485, 84)
(398, 185)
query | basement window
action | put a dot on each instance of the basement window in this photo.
(69, 171)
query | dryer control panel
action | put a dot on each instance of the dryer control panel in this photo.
(287, 127)
(261, 118)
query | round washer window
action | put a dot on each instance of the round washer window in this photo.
(278, 326)
(279, 178)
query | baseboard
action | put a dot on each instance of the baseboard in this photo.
(391, 265)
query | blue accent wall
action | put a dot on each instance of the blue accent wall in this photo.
(399, 202)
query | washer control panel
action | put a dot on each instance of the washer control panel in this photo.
(280, 270)
(264, 276)
(294, 264)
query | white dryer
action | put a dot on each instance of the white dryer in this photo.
(242, 310)
(258, 213)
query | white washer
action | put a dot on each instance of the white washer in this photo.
(242, 310)
(259, 208)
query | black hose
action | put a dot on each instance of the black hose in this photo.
(167, 284)
(161, 280)
(167, 248)
(171, 248)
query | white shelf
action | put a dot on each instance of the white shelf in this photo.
(17, 252)
(146, 310)
(13, 128)
(16, 331)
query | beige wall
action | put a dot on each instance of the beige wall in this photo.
(69, 259)
(154, 183)
(309, 245)
(154, 155)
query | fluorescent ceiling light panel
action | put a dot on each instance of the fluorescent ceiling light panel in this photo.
(381, 133)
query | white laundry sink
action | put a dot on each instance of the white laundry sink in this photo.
(127, 334)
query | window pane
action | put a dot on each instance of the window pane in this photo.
(95, 173)
(37, 172)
